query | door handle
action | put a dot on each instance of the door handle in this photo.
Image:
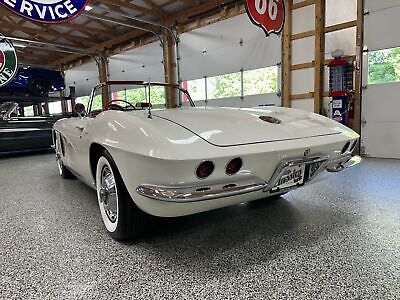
(81, 128)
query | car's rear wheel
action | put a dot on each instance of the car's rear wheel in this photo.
(39, 87)
(121, 217)
(63, 171)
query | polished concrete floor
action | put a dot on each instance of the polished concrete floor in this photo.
(336, 239)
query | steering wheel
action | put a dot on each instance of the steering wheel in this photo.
(112, 106)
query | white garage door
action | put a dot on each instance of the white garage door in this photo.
(381, 101)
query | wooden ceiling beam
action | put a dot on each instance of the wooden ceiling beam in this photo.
(191, 2)
(33, 34)
(100, 47)
(29, 53)
(179, 17)
(183, 16)
(74, 40)
(156, 7)
(131, 6)
(85, 29)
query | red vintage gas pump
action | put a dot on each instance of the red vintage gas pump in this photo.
(341, 88)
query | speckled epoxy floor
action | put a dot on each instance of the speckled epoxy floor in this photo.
(336, 239)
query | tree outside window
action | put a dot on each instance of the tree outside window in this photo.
(384, 66)
(255, 82)
(261, 81)
(224, 86)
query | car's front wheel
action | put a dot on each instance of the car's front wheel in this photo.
(121, 217)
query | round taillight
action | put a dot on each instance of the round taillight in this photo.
(234, 166)
(345, 147)
(205, 169)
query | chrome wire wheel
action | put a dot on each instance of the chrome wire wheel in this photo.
(107, 194)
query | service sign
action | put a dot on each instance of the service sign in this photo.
(46, 11)
(8, 61)
(267, 14)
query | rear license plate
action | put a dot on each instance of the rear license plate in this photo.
(292, 176)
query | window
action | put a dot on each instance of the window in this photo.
(196, 89)
(84, 100)
(55, 108)
(28, 111)
(384, 66)
(255, 82)
(133, 96)
(224, 86)
(260, 81)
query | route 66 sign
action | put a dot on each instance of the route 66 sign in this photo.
(267, 14)
(8, 61)
(46, 11)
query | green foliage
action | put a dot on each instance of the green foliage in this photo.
(28, 111)
(157, 95)
(260, 81)
(196, 89)
(132, 96)
(256, 82)
(224, 86)
(384, 66)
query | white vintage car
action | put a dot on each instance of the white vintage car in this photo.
(174, 162)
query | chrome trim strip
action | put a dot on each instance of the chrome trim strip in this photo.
(343, 163)
(194, 194)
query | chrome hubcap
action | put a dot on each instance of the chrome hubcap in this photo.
(108, 194)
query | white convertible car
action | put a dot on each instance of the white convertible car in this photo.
(174, 162)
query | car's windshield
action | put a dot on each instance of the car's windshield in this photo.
(132, 95)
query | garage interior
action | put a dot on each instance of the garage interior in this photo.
(337, 238)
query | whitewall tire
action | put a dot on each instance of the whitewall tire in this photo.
(121, 217)
(107, 194)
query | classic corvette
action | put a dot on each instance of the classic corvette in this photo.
(35, 81)
(19, 133)
(175, 162)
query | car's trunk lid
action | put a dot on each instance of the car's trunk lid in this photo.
(231, 126)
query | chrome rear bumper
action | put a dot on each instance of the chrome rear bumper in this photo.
(343, 163)
(244, 186)
(201, 193)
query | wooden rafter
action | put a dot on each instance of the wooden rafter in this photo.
(96, 35)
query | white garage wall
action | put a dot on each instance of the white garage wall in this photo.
(83, 78)
(142, 63)
(216, 49)
(208, 51)
(303, 52)
(380, 132)
(227, 47)
(303, 49)
(137, 64)
(382, 24)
